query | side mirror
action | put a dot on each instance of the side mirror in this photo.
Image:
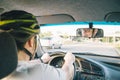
(90, 32)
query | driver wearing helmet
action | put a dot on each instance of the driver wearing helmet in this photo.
(24, 28)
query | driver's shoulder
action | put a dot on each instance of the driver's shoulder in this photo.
(34, 70)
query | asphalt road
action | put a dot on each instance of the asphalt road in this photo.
(90, 47)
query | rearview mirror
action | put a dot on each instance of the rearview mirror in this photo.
(89, 32)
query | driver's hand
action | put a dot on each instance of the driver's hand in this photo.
(45, 58)
(68, 65)
(69, 58)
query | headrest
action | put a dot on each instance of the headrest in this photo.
(8, 54)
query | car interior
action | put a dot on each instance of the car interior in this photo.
(8, 54)
(83, 15)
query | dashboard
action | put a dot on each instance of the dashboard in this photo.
(90, 71)
(91, 67)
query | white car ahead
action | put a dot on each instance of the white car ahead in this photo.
(51, 42)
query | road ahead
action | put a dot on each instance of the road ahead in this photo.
(97, 48)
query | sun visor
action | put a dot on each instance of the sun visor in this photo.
(112, 17)
(56, 18)
(1, 10)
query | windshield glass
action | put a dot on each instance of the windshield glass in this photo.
(62, 37)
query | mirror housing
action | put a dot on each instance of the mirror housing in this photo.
(90, 32)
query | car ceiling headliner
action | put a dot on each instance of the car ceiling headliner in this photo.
(81, 10)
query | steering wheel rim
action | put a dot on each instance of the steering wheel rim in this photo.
(62, 54)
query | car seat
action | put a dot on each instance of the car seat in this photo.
(8, 54)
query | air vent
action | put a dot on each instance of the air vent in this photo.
(91, 68)
(85, 66)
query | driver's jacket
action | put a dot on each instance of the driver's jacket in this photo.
(35, 70)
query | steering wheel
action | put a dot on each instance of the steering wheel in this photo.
(58, 60)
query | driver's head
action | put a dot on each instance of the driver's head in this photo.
(21, 25)
(87, 32)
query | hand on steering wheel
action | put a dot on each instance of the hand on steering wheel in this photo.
(68, 59)
(46, 58)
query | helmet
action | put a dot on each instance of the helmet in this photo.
(20, 24)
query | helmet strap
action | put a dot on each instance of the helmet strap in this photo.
(28, 53)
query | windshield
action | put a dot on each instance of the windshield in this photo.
(62, 37)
